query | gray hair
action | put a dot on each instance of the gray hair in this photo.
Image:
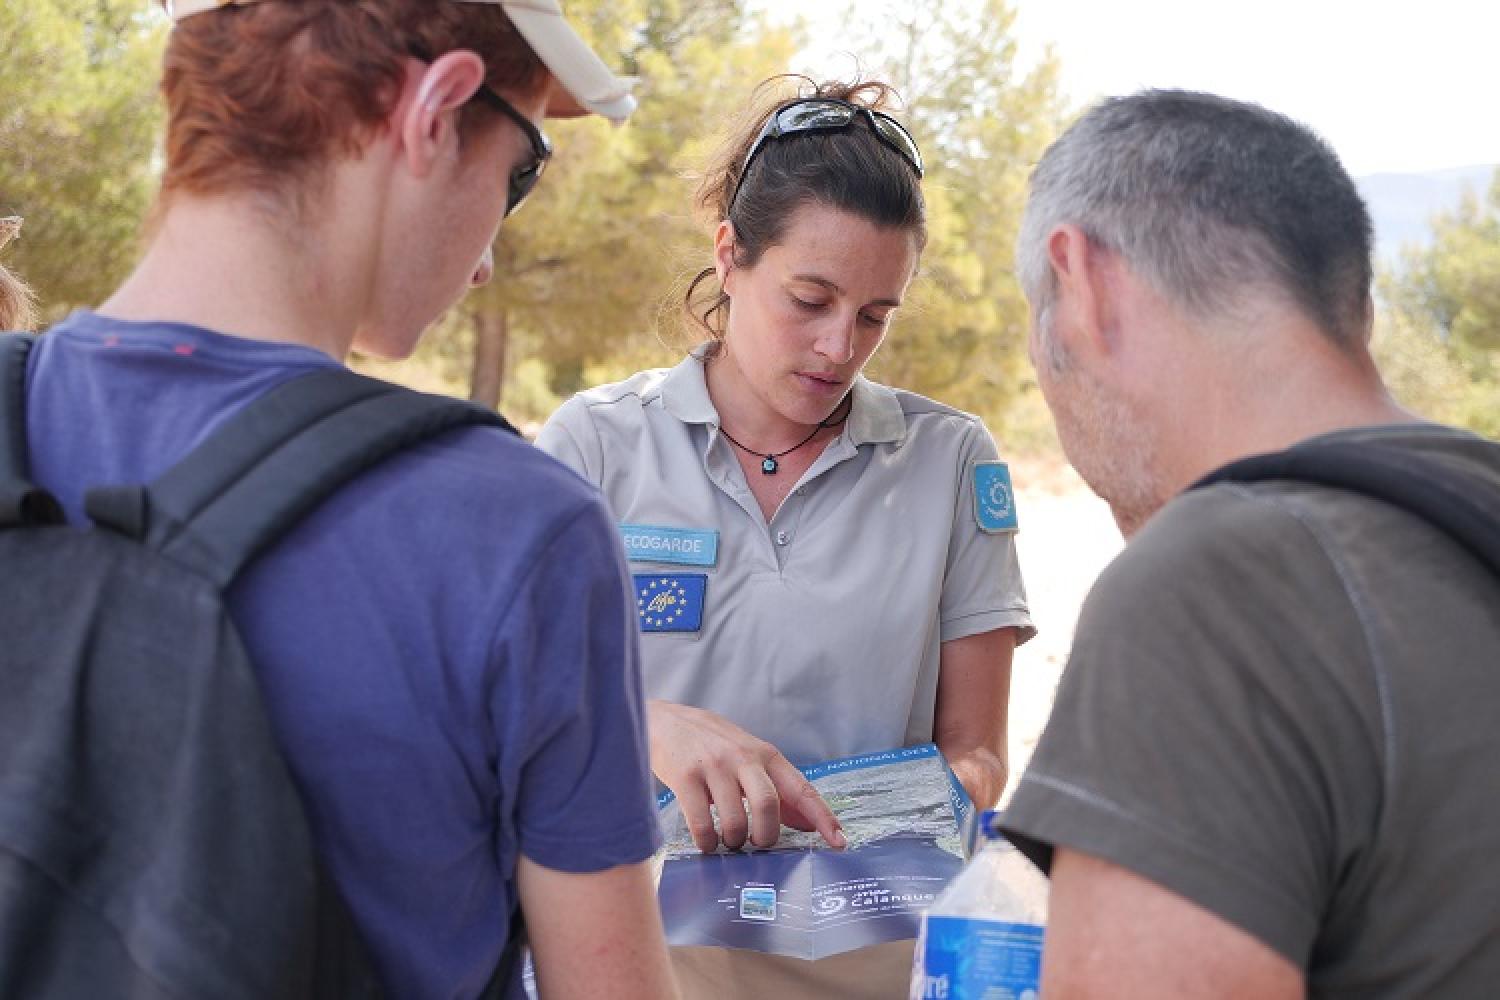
(1212, 202)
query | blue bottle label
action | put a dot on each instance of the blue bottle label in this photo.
(964, 958)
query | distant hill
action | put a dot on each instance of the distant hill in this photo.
(1402, 205)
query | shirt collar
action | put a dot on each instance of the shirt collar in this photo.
(874, 418)
(684, 392)
(876, 415)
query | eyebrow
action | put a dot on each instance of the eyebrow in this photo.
(817, 279)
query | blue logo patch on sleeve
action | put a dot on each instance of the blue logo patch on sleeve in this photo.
(670, 602)
(994, 500)
(683, 546)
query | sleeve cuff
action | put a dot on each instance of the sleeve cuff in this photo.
(593, 851)
(1048, 812)
(962, 626)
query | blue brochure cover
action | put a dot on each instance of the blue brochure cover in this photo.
(904, 815)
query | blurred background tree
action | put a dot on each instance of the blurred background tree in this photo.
(587, 289)
(981, 123)
(581, 281)
(1438, 341)
(588, 281)
(79, 121)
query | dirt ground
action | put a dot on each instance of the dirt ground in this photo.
(1067, 536)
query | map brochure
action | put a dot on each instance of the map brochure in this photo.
(905, 816)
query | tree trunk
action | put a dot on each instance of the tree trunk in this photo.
(491, 343)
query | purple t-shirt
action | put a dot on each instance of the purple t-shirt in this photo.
(447, 647)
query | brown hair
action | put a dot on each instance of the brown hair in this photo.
(850, 170)
(258, 97)
(16, 300)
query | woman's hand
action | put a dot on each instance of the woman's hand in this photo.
(704, 758)
(983, 774)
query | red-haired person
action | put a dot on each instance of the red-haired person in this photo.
(458, 702)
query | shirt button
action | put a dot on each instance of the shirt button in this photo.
(782, 538)
(801, 491)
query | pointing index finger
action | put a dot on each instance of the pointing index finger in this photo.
(802, 806)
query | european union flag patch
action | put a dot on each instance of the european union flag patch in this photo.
(670, 602)
(994, 500)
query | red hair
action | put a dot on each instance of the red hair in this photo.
(258, 97)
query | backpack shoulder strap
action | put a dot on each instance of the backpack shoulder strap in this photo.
(21, 502)
(1466, 510)
(15, 348)
(287, 452)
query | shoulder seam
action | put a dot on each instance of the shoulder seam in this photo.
(936, 409)
(1378, 668)
(643, 399)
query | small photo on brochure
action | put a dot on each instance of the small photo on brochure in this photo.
(758, 902)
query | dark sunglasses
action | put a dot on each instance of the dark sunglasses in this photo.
(523, 177)
(830, 114)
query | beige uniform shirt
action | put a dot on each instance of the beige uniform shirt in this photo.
(820, 631)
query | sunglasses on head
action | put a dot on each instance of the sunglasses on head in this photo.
(523, 177)
(830, 114)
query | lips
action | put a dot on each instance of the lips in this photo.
(821, 383)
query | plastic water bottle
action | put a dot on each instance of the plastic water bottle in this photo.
(981, 939)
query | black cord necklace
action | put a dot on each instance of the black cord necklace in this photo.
(768, 463)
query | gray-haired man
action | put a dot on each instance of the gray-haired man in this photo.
(1274, 764)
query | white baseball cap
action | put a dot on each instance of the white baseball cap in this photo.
(591, 86)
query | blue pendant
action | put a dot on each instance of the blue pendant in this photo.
(768, 466)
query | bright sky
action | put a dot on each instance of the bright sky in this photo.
(1394, 85)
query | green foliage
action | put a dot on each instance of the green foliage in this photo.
(1454, 284)
(529, 399)
(1433, 379)
(583, 273)
(1443, 330)
(590, 277)
(981, 124)
(78, 120)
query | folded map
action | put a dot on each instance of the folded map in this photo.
(902, 811)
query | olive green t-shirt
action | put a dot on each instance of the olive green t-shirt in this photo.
(1283, 703)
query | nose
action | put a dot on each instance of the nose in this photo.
(484, 270)
(836, 339)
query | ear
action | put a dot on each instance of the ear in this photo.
(1085, 311)
(724, 253)
(428, 111)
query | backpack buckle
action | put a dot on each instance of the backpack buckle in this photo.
(122, 509)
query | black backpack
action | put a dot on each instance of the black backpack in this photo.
(152, 844)
(1461, 506)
